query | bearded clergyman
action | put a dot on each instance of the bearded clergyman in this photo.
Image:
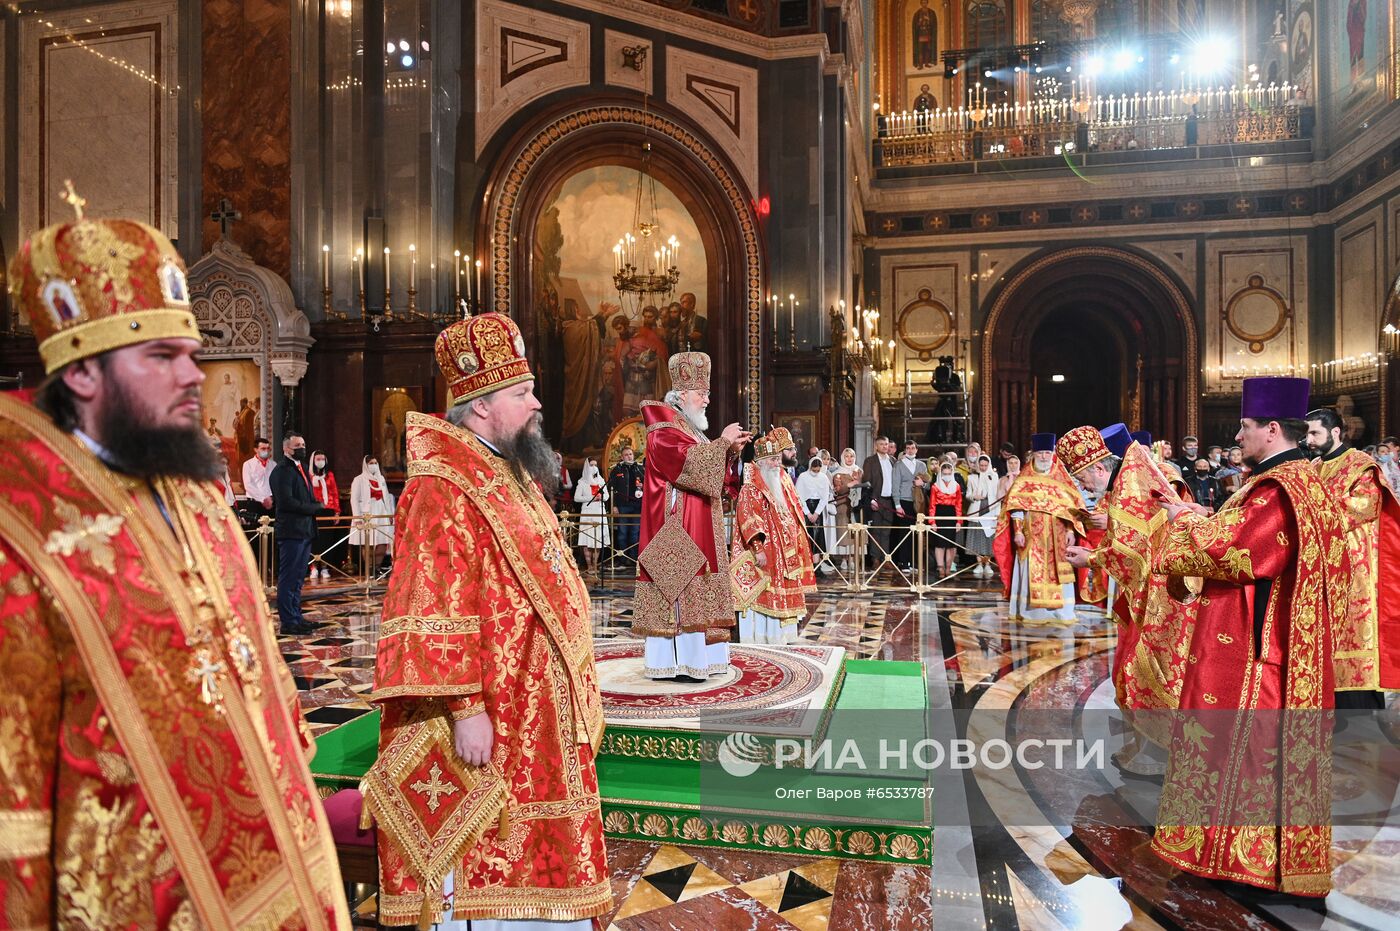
(485, 789)
(684, 607)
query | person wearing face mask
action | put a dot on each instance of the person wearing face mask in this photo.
(328, 496)
(1388, 455)
(591, 494)
(945, 501)
(814, 491)
(371, 501)
(1190, 452)
(1205, 488)
(257, 474)
(295, 509)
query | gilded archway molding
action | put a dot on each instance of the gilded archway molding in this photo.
(505, 219)
(1168, 286)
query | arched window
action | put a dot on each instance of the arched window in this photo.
(1047, 25)
(986, 23)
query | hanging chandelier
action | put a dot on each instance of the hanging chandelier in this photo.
(644, 267)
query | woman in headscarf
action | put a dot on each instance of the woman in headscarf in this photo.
(983, 506)
(591, 495)
(324, 489)
(814, 491)
(371, 501)
(846, 487)
(945, 500)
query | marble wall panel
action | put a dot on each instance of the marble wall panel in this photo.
(1179, 255)
(1360, 284)
(521, 55)
(620, 74)
(98, 105)
(930, 295)
(722, 98)
(247, 120)
(1256, 307)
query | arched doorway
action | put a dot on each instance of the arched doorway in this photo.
(534, 164)
(1088, 334)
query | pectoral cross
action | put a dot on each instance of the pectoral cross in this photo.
(434, 788)
(70, 197)
(225, 215)
(206, 672)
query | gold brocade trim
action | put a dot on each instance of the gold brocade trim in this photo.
(107, 333)
(533, 902)
(420, 624)
(425, 691)
(703, 472)
(25, 834)
(563, 808)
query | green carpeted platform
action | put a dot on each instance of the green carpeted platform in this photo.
(671, 786)
(668, 785)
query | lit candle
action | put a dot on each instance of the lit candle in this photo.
(386, 269)
(456, 277)
(325, 267)
(792, 318)
(412, 267)
(480, 298)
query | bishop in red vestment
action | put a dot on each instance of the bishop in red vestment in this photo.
(1247, 795)
(1038, 520)
(485, 790)
(683, 604)
(1367, 633)
(152, 744)
(771, 561)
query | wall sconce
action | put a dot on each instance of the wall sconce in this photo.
(633, 56)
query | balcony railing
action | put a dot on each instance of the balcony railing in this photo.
(1179, 120)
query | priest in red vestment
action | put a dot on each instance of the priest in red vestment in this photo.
(485, 790)
(1247, 796)
(1147, 666)
(1039, 518)
(771, 561)
(684, 606)
(151, 739)
(1367, 633)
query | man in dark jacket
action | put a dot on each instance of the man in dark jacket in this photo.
(1205, 487)
(625, 489)
(295, 509)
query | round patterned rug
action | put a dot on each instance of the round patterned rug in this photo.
(758, 677)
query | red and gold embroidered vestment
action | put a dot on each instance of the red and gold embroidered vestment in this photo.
(486, 614)
(764, 523)
(1247, 795)
(683, 581)
(1052, 510)
(1367, 633)
(153, 750)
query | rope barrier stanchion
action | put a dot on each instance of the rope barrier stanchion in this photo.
(264, 534)
(921, 530)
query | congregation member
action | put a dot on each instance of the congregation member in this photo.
(879, 515)
(327, 495)
(625, 494)
(818, 512)
(296, 509)
(982, 506)
(910, 494)
(847, 488)
(257, 479)
(945, 508)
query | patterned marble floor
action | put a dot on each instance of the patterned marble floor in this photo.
(1077, 857)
